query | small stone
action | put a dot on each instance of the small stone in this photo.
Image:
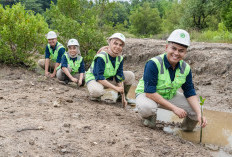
(87, 127)
(51, 88)
(69, 101)
(76, 115)
(118, 114)
(40, 127)
(66, 90)
(67, 125)
(59, 92)
(63, 150)
(11, 111)
(32, 83)
(212, 147)
(56, 104)
(31, 142)
(24, 97)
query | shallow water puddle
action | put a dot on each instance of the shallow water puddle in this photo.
(217, 132)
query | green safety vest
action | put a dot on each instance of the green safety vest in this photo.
(109, 69)
(165, 87)
(74, 65)
(53, 56)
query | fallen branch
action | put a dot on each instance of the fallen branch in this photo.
(30, 128)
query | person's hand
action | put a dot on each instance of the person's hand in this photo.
(180, 112)
(204, 121)
(47, 74)
(119, 89)
(79, 82)
(74, 79)
(53, 75)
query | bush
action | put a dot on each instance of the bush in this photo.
(221, 35)
(85, 29)
(145, 21)
(21, 35)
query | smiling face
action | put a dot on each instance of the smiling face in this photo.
(72, 50)
(175, 53)
(115, 46)
(52, 42)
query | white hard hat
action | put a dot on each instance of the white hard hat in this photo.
(118, 36)
(51, 35)
(180, 36)
(73, 42)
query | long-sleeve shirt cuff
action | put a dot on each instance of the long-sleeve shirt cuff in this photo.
(99, 77)
(150, 89)
(189, 93)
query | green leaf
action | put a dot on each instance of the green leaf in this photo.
(202, 101)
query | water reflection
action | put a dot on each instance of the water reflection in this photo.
(217, 132)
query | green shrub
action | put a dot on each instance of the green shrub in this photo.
(145, 21)
(85, 29)
(21, 35)
(221, 35)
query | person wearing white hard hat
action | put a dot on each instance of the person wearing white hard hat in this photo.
(53, 53)
(163, 76)
(72, 67)
(106, 70)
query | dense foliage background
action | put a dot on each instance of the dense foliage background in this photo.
(23, 23)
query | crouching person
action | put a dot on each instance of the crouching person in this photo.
(163, 76)
(53, 54)
(72, 66)
(106, 70)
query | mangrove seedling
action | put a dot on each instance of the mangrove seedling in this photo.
(202, 101)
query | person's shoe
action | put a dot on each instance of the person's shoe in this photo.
(110, 96)
(188, 124)
(66, 81)
(150, 121)
(95, 98)
(129, 101)
(109, 101)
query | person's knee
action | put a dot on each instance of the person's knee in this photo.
(145, 109)
(129, 77)
(94, 90)
(60, 75)
(41, 63)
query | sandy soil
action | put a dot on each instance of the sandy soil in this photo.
(41, 117)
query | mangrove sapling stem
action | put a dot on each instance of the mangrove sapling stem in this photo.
(201, 103)
(201, 123)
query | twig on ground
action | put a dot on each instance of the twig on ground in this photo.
(30, 128)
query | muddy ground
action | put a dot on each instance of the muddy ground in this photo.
(41, 117)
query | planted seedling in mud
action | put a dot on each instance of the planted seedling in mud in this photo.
(202, 100)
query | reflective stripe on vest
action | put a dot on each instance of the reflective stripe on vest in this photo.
(109, 69)
(165, 87)
(53, 56)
